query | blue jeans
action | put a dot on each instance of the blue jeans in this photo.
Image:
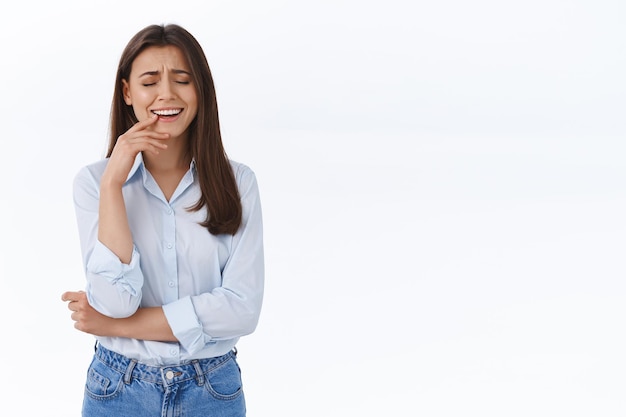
(120, 387)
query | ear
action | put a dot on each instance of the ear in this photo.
(126, 92)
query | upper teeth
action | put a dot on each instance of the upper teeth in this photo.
(169, 112)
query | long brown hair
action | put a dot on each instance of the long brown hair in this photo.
(219, 192)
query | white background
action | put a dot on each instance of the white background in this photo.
(442, 185)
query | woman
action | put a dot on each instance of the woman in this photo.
(171, 238)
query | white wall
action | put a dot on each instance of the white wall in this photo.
(443, 192)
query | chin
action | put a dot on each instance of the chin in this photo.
(174, 133)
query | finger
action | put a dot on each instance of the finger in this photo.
(156, 147)
(68, 296)
(144, 123)
(133, 134)
(147, 126)
(72, 295)
(153, 138)
(143, 136)
(133, 146)
(73, 306)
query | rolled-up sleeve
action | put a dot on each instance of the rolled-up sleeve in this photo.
(113, 288)
(186, 325)
(233, 309)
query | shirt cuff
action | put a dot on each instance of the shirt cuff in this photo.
(126, 277)
(185, 325)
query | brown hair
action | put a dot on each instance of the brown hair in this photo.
(219, 192)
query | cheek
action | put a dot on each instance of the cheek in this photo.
(190, 97)
(194, 111)
(193, 106)
(140, 112)
(140, 105)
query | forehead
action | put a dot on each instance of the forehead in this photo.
(159, 58)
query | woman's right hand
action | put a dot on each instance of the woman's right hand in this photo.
(139, 138)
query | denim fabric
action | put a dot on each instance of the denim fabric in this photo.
(121, 387)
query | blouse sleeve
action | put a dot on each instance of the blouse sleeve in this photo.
(113, 288)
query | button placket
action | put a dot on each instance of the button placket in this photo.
(169, 253)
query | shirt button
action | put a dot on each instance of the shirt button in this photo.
(173, 352)
(169, 374)
(169, 246)
(169, 211)
(171, 284)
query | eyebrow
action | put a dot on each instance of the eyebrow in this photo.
(175, 71)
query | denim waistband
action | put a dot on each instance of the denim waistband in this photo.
(167, 374)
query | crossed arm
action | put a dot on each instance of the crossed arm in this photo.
(146, 324)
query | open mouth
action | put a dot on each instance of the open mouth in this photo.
(167, 113)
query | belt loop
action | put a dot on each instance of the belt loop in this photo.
(235, 350)
(199, 374)
(128, 375)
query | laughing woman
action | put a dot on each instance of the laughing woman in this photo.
(172, 243)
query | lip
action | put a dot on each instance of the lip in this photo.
(165, 117)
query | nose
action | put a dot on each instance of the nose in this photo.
(166, 92)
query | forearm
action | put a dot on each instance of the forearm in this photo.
(146, 324)
(113, 229)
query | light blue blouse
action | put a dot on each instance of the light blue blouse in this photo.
(210, 287)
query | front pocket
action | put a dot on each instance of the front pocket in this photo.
(102, 381)
(224, 382)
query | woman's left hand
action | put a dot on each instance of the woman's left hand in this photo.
(86, 318)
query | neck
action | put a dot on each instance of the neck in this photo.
(175, 157)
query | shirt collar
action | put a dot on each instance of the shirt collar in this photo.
(139, 163)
